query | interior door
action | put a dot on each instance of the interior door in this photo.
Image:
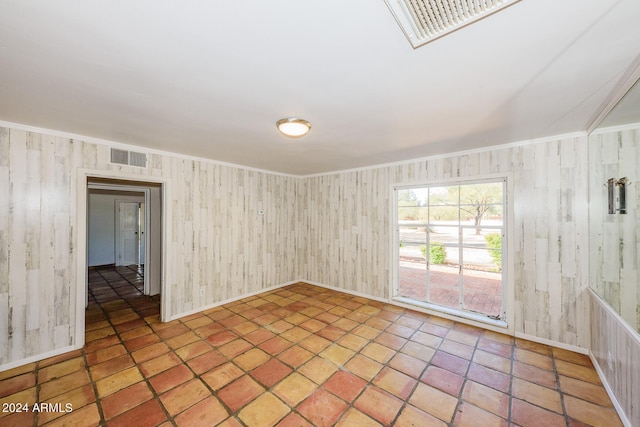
(127, 233)
(141, 228)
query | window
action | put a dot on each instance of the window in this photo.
(450, 247)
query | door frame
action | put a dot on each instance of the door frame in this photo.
(82, 277)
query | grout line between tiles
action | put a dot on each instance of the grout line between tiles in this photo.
(410, 326)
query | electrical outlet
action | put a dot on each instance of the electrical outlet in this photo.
(203, 291)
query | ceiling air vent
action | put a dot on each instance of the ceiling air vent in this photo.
(131, 158)
(426, 20)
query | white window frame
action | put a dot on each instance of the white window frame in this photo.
(505, 324)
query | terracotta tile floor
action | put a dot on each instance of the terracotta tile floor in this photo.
(298, 356)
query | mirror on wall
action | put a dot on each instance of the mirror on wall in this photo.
(614, 206)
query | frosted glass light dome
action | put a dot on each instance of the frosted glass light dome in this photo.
(293, 127)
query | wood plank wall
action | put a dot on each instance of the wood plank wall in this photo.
(616, 349)
(550, 229)
(218, 241)
(615, 239)
(614, 267)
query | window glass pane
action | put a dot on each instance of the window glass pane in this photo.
(444, 234)
(412, 281)
(458, 229)
(439, 253)
(479, 259)
(482, 292)
(410, 207)
(407, 197)
(413, 215)
(439, 196)
(443, 214)
(494, 216)
(444, 285)
(412, 239)
(478, 201)
(479, 238)
(483, 249)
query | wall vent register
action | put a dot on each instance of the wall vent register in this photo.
(426, 20)
(131, 158)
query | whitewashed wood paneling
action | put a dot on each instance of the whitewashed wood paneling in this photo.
(616, 348)
(615, 238)
(333, 229)
(218, 241)
(550, 230)
(614, 267)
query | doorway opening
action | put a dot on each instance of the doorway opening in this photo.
(124, 247)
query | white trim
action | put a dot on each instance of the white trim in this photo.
(467, 321)
(82, 221)
(230, 300)
(38, 357)
(452, 313)
(454, 180)
(508, 255)
(338, 289)
(28, 128)
(508, 287)
(577, 134)
(625, 325)
(552, 343)
(394, 302)
(82, 255)
(619, 128)
(147, 220)
(607, 387)
(394, 240)
(139, 148)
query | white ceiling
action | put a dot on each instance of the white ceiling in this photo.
(210, 78)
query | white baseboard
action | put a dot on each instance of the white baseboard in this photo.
(466, 321)
(335, 288)
(229, 300)
(552, 343)
(37, 358)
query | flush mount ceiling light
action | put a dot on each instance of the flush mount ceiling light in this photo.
(426, 20)
(293, 127)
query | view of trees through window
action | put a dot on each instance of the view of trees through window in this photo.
(451, 246)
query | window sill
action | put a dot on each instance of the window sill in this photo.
(435, 309)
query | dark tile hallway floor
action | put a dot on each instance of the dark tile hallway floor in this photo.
(301, 355)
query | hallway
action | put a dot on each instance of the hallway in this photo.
(109, 286)
(300, 355)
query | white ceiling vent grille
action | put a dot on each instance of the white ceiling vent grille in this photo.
(131, 158)
(426, 20)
